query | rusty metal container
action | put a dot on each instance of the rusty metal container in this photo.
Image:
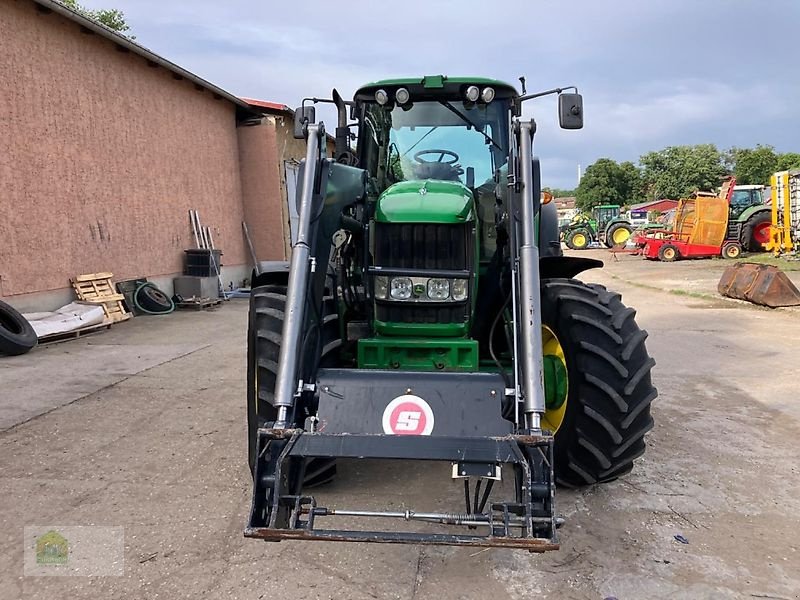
(761, 284)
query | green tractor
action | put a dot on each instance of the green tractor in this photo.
(749, 219)
(605, 225)
(429, 314)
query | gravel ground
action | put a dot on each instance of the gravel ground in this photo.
(155, 445)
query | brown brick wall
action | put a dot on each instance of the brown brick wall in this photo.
(264, 205)
(102, 156)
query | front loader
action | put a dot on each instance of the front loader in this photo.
(428, 314)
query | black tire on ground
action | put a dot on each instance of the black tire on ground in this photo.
(749, 242)
(265, 326)
(152, 299)
(731, 250)
(668, 253)
(16, 334)
(613, 229)
(609, 385)
(569, 239)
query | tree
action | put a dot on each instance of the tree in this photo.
(789, 160)
(753, 166)
(676, 171)
(632, 179)
(606, 182)
(110, 17)
(559, 193)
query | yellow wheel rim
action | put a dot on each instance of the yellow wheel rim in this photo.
(579, 240)
(553, 418)
(669, 253)
(621, 236)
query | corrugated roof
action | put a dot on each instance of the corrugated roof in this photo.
(644, 205)
(129, 44)
(268, 105)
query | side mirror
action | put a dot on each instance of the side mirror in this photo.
(302, 117)
(570, 111)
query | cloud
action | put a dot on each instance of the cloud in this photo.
(653, 73)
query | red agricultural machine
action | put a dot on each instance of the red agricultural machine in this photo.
(700, 230)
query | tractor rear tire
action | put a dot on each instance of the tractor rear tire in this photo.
(609, 389)
(618, 228)
(753, 236)
(577, 239)
(265, 327)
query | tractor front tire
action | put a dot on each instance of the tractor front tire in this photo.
(577, 239)
(609, 389)
(756, 231)
(265, 327)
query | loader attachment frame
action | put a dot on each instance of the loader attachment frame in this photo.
(282, 511)
(490, 422)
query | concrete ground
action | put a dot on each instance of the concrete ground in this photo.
(142, 427)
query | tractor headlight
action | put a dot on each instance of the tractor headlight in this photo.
(460, 289)
(420, 289)
(438, 289)
(381, 97)
(381, 286)
(473, 93)
(401, 288)
(488, 94)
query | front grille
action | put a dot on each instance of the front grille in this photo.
(403, 312)
(423, 246)
(427, 247)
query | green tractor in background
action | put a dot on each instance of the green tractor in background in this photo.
(749, 219)
(605, 225)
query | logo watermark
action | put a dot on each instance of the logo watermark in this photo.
(52, 548)
(80, 551)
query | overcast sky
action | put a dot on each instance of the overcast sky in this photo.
(653, 72)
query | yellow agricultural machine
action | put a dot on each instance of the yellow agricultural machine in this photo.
(785, 230)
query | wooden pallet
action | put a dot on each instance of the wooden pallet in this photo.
(62, 336)
(199, 303)
(98, 289)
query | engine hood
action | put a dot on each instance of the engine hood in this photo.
(426, 201)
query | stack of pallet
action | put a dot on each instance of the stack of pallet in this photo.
(96, 288)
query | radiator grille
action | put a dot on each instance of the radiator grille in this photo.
(428, 247)
(423, 246)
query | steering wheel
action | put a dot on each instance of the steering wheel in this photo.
(442, 153)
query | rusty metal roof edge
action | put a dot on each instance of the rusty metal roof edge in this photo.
(125, 42)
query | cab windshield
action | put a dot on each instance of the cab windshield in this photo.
(448, 140)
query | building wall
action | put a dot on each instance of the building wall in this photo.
(264, 204)
(101, 158)
(263, 151)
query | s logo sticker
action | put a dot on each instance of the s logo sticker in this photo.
(408, 415)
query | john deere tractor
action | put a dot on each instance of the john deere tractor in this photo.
(604, 225)
(749, 218)
(428, 314)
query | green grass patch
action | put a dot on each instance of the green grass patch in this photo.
(766, 258)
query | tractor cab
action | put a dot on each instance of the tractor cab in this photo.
(435, 150)
(745, 196)
(604, 214)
